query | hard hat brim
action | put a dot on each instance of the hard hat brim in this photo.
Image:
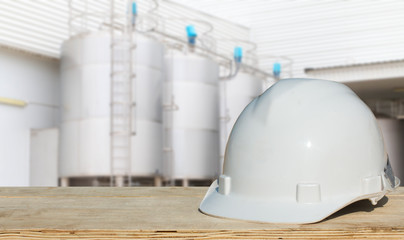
(235, 206)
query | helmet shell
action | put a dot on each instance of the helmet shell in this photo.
(299, 152)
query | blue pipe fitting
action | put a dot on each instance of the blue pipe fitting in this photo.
(238, 54)
(276, 69)
(191, 34)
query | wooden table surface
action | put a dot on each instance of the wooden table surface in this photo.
(116, 213)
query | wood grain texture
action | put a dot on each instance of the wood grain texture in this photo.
(125, 213)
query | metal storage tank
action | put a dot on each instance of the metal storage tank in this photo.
(393, 134)
(235, 95)
(86, 86)
(191, 118)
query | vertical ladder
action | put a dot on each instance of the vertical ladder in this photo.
(122, 105)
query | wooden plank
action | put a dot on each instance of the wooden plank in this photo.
(119, 213)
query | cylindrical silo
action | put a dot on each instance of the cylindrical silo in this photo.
(235, 95)
(86, 89)
(191, 117)
(147, 144)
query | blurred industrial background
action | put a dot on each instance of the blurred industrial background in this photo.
(145, 93)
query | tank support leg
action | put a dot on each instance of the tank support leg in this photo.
(185, 182)
(119, 181)
(157, 181)
(64, 182)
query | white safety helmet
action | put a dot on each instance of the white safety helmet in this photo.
(298, 153)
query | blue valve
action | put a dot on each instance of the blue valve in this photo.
(238, 54)
(191, 33)
(276, 69)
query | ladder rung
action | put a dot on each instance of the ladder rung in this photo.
(120, 41)
(128, 61)
(119, 74)
(122, 147)
(121, 134)
(120, 171)
(131, 134)
(121, 89)
(121, 121)
(117, 80)
(120, 103)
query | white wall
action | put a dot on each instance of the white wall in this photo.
(318, 33)
(36, 81)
